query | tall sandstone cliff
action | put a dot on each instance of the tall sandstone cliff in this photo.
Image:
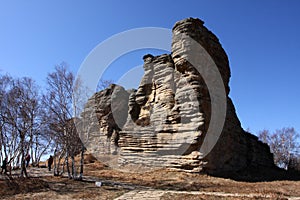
(164, 122)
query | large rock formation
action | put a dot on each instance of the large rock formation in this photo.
(164, 122)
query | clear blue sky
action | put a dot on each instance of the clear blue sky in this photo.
(261, 38)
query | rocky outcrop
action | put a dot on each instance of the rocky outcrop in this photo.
(99, 126)
(165, 121)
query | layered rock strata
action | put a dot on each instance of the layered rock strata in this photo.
(164, 122)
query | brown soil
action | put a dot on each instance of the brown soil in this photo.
(55, 188)
(51, 187)
(172, 180)
(204, 197)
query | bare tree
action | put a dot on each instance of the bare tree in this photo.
(283, 144)
(61, 110)
(7, 131)
(294, 162)
(43, 142)
(103, 84)
(58, 100)
(30, 124)
(19, 112)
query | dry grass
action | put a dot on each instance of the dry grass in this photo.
(205, 197)
(55, 188)
(63, 188)
(173, 180)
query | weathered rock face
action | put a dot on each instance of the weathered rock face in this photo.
(99, 126)
(164, 122)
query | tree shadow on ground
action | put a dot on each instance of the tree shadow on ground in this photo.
(12, 186)
(255, 174)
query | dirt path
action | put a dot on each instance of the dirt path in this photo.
(31, 171)
(158, 194)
